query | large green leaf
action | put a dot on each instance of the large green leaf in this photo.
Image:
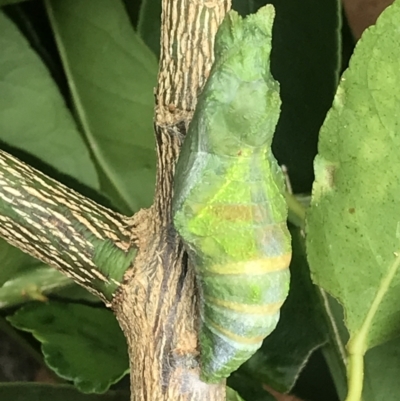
(112, 75)
(80, 343)
(353, 225)
(33, 116)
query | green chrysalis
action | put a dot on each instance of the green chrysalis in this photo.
(228, 205)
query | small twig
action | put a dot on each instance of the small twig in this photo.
(87, 242)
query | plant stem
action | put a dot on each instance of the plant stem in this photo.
(87, 242)
(358, 343)
(297, 211)
(355, 370)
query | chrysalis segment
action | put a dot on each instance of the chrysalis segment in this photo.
(228, 205)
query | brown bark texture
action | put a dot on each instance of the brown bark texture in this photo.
(157, 304)
(53, 223)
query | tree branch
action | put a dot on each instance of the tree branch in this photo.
(188, 28)
(157, 306)
(89, 243)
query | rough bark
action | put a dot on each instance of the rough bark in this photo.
(156, 307)
(53, 223)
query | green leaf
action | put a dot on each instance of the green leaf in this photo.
(251, 389)
(149, 24)
(353, 225)
(334, 351)
(6, 2)
(32, 283)
(382, 371)
(33, 116)
(75, 293)
(51, 392)
(382, 368)
(12, 260)
(80, 343)
(112, 75)
(232, 395)
(353, 228)
(31, 280)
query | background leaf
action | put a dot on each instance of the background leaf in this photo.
(37, 282)
(80, 343)
(33, 115)
(12, 260)
(232, 395)
(5, 2)
(382, 372)
(357, 189)
(111, 74)
(149, 24)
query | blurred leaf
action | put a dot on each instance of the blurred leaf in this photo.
(353, 225)
(149, 24)
(80, 343)
(75, 292)
(382, 372)
(299, 332)
(250, 389)
(50, 392)
(19, 357)
(5, 2)
(12, 261)
(334, 351)
(33, 116)
(282, 397)
(232, 395)
(36, 282)
(315, 381)
(112, 75)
